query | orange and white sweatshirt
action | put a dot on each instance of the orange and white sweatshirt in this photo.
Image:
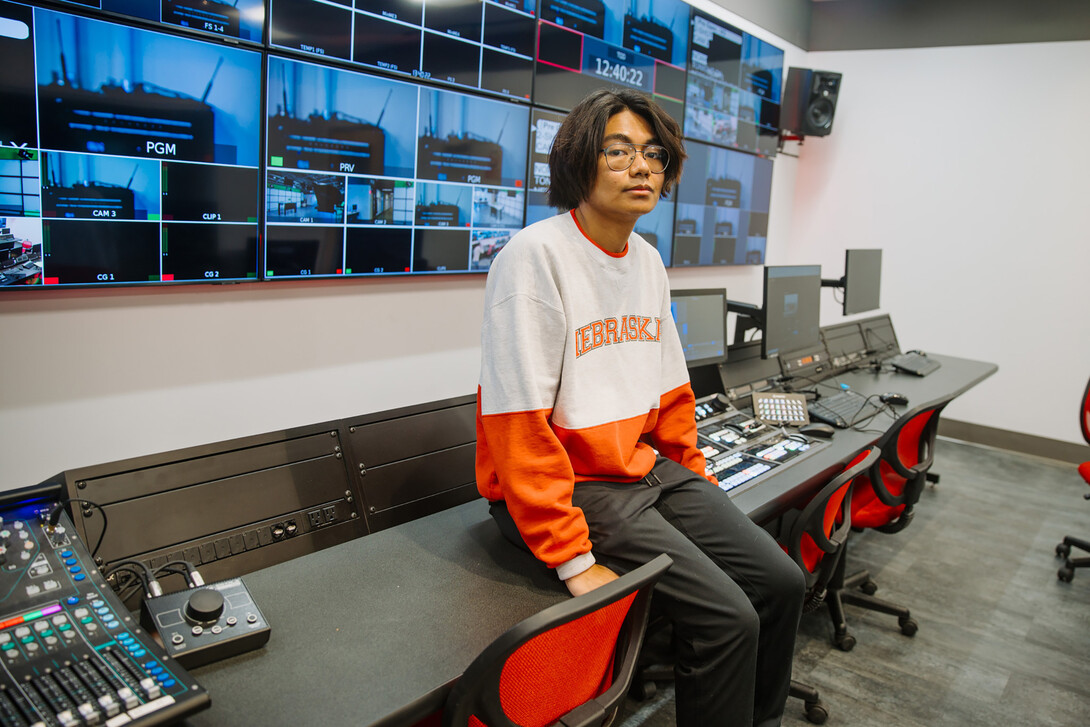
(582, 374)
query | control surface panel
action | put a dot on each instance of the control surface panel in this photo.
(70, 652)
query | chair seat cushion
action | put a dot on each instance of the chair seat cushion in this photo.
(875, 515)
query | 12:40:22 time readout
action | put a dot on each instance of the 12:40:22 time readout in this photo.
(618, 72)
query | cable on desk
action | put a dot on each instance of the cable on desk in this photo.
(152, 588)
(183, 568)
(881, 407)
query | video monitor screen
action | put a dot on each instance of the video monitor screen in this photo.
(241, 19)
(543, 127)
(485, 45)
(792, 309)
(586, 44)
(135, 168)
(701, 320)
(862, 280)
(369, 175)
(722, 208)
(734, 89)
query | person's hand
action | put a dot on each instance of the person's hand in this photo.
(588, 580)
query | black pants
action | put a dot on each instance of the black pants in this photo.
(733, 596)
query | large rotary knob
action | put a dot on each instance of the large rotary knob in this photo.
(204, 605)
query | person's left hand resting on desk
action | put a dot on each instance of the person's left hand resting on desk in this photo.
(588, 580)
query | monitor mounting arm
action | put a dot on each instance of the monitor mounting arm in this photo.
(749, 317)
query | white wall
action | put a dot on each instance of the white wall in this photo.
(93, 376)
(968, 166)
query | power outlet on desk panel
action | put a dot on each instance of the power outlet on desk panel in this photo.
(205, 624)
(322, 516)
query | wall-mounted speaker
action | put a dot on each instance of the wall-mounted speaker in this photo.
(809, 101)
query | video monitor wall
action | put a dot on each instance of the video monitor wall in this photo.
(722, 208)
(734, 88)
(368, 175)
(585, 44)
(485, 45)
(180, 141)
(147, 168)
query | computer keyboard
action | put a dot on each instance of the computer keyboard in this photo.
(842, 409)
(913, 362)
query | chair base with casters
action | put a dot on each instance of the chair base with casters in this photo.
(816, 713)
(858, 589)
(1067, 570)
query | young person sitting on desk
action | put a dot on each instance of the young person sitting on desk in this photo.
(583, 379)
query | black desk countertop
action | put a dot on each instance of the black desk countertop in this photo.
(374, 631)
(379, 626)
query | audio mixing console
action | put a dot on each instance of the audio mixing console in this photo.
(70, 652)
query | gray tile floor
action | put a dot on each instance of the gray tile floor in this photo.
(1001, 640)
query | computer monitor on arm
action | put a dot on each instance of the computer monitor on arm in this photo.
(862, 281)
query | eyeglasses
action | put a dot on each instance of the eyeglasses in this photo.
(619, 157)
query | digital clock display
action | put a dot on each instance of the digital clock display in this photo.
(618, 65)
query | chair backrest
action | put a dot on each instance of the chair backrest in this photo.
(884, 496)
(570, 664)
(1084, 418)
(814, 537)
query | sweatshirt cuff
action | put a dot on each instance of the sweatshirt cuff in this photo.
(575, 566)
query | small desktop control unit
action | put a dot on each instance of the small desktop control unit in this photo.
(205, 624)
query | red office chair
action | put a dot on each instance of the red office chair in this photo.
(1067, 570)
(884, 498)
(569, 665)
(815, 537)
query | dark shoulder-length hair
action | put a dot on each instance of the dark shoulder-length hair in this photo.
(573, 160)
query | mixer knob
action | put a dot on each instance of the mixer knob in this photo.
(204, 605)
